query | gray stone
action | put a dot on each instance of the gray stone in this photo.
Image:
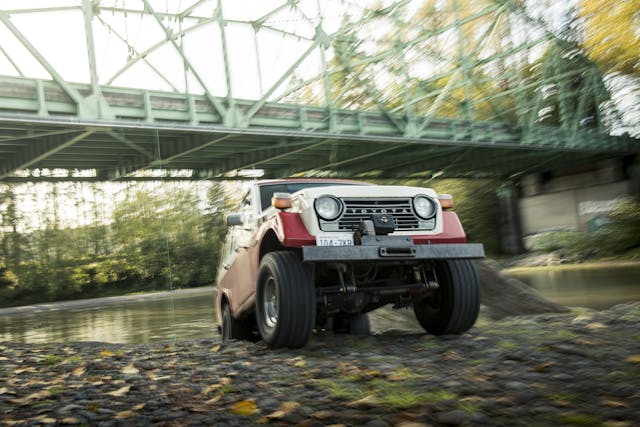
(69, 408)
(377, 423)
(516, 385)
(455, 417)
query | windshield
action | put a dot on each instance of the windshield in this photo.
(267, 190)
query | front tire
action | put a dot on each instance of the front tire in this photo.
(285, 301)
(454, 307)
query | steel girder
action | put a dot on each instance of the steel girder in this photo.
(461, 88)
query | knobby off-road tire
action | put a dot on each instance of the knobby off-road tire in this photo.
(354, 325)
(285, 301)
(453, 309)
(233, 329)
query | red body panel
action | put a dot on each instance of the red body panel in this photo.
(291, 231)
(452, 232)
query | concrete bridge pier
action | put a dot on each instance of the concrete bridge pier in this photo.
(510, 222)
(580, 199)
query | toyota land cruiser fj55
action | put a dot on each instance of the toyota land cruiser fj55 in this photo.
(305, 255)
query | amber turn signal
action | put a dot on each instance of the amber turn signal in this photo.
(446, 201)
(281, 200)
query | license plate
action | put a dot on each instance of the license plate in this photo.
(335, 240)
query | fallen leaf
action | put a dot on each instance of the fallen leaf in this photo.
(24, 369)
(78, 372)
(215, 348)
(27, 400)
(244, 407)
(596, 325)
(120, 392)
(633, 359)
(285, 409)
(43, 419)
(365, 401)
(211, 388)
(106, 353)
(613, 403)
(70, 420)
(139, 406)
(323, 414)
(542, 367)
(123, 415)
(130, 370)
(215, 398)
(4, 390)
(276, 415)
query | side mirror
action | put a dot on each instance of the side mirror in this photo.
(234, 219)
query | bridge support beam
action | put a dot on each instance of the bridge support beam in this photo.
(510, 222)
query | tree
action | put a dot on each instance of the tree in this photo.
(611, 36)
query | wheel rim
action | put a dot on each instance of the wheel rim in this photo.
(270, 303)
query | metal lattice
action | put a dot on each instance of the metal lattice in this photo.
(295, 87)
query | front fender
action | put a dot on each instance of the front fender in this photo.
(290, 230)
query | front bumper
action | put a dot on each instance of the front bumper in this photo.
(392, 250)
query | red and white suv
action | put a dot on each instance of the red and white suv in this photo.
(305, 254)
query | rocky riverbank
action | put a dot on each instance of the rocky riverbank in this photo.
(577, 368)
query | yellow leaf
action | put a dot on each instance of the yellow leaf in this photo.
(120, 392)
(633, 359)
(244, 407)
(78, 372)
(215, 348)
(106, 353)
(124, 415)
(139, 406)
(130, 370)
(289, 406)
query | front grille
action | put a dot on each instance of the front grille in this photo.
(358, 210)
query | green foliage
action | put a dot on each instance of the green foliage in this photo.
(476, 203)
(621, 235)
(553, 240)
(154, 241)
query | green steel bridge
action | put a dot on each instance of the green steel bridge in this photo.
(208, 89)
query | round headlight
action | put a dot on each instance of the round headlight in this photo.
(424, 206)
(328, 207)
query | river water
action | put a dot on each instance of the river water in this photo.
(192, 315)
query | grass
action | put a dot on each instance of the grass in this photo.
(51, 359)
(341, 390)
(578, 419)
(382, 392)
(507, 345)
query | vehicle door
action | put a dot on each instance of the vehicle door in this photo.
(241, 272)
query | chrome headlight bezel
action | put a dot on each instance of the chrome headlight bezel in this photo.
(421, 210)
(321, 210)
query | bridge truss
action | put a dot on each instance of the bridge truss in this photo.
(205, 89)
